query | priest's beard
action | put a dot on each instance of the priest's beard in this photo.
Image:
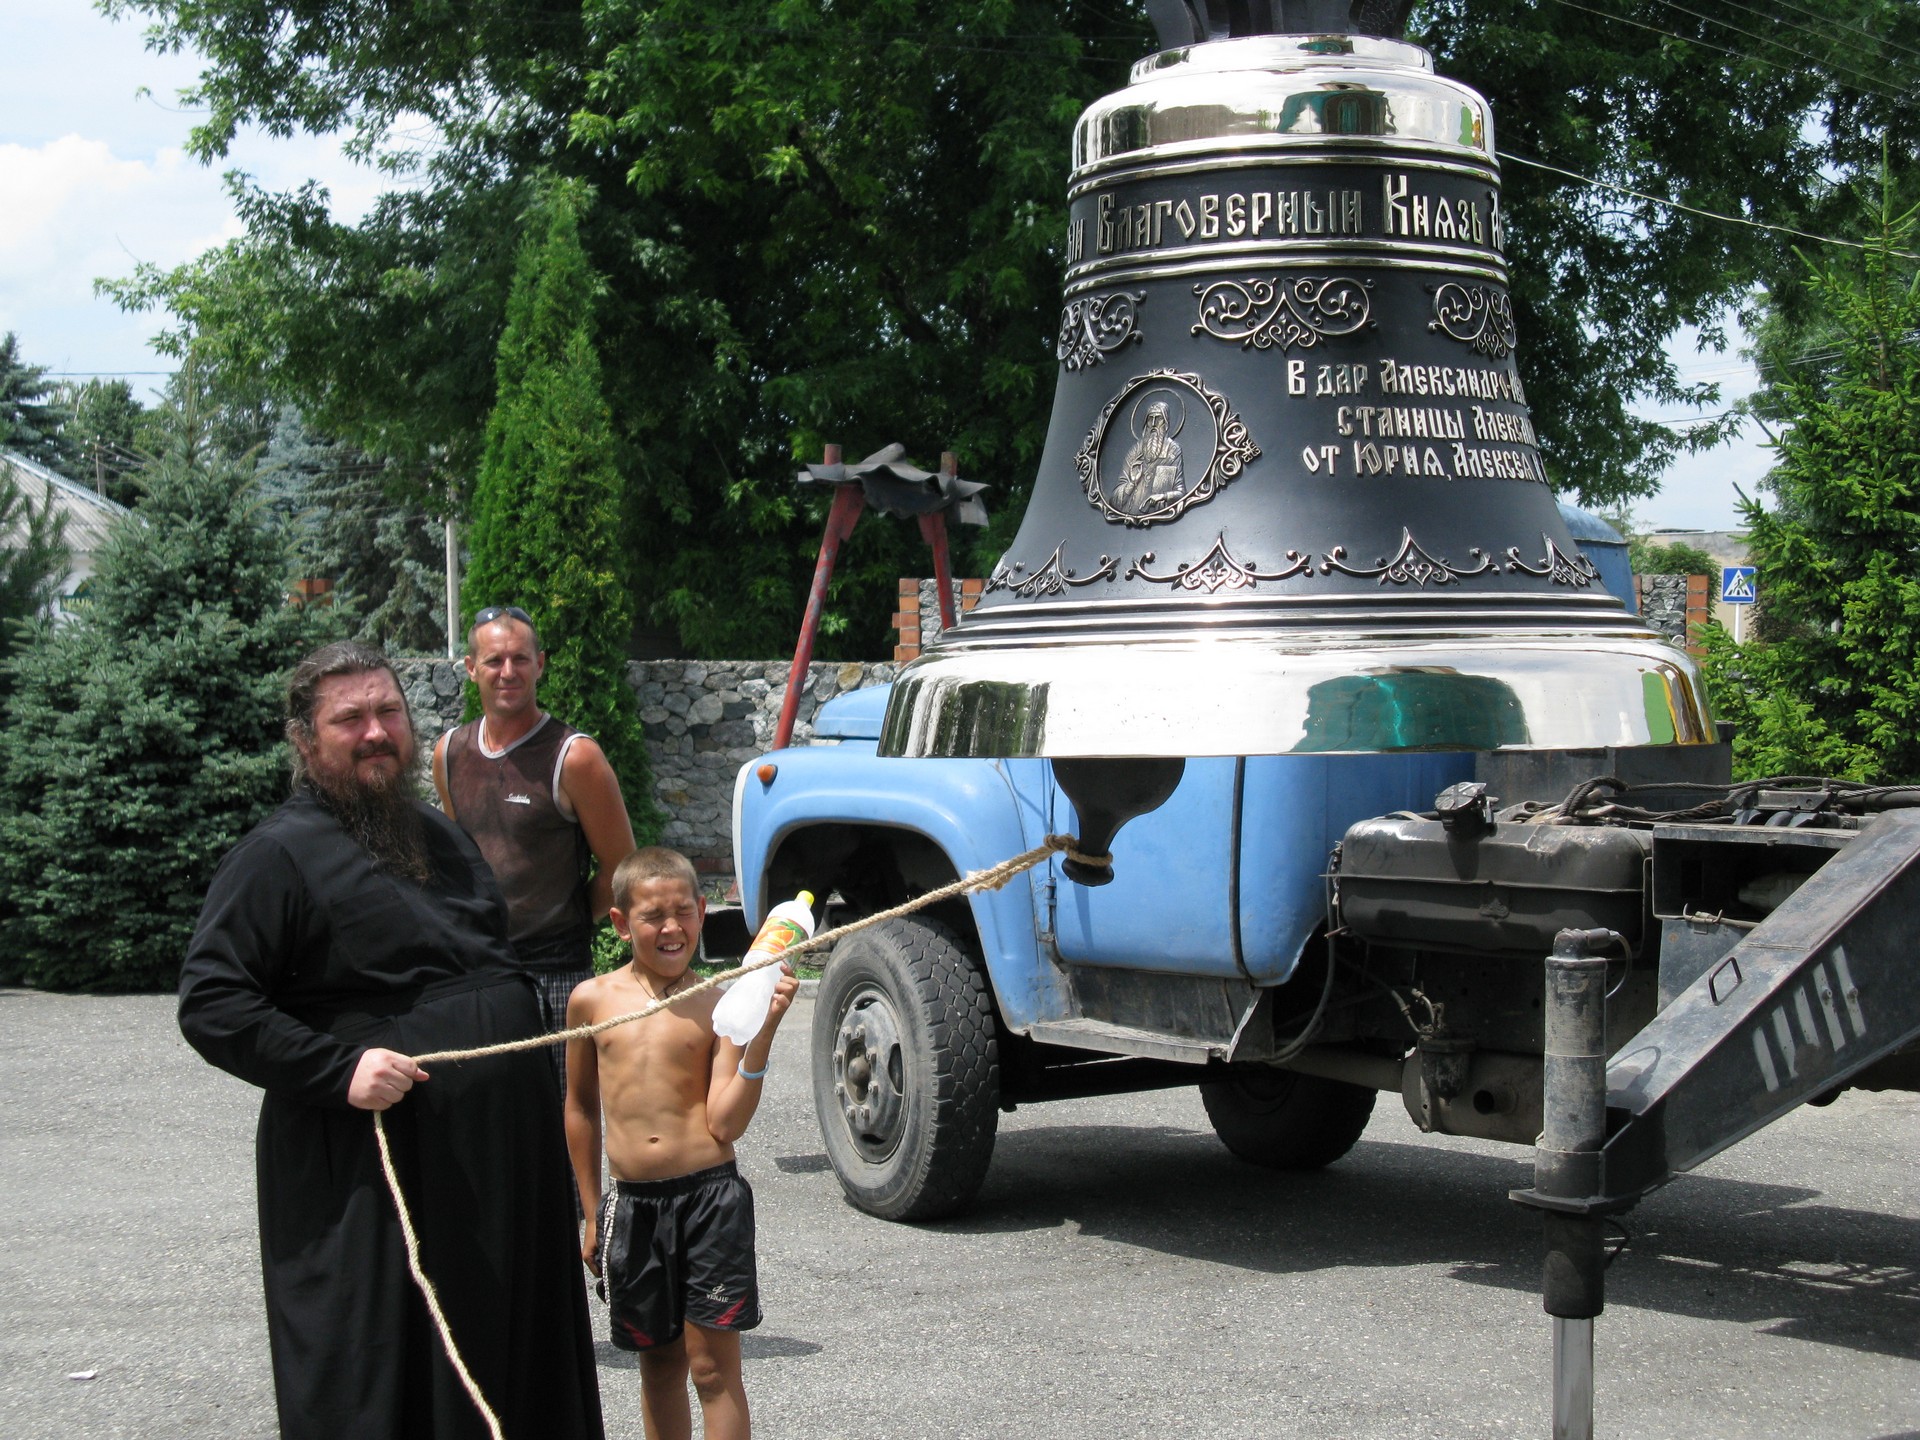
(379, 815)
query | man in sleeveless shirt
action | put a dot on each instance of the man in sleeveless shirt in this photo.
(541, 802)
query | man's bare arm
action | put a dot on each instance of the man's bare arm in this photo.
(583, 1123)
(440, 776)
(593, 791)
(731, 1096)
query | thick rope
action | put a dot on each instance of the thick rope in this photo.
(977, 880)
(990, 879)
(426, 1286)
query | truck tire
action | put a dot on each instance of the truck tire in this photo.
(906, 1072)
(1284, 1120)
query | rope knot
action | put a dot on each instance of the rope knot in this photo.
(1070, 846)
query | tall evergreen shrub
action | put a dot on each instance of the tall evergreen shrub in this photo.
(142, 737)
(35, 558)
(546, 510)
(1830, 683)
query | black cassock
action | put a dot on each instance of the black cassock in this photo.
(306, 955)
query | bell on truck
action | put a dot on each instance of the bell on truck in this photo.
(1290, 500)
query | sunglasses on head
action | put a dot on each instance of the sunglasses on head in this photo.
(494, 612)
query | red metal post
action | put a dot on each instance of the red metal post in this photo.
(848, 502)
(934, 528)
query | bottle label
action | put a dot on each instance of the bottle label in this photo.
(775, 936)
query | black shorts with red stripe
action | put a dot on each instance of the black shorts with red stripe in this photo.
(679, 1250)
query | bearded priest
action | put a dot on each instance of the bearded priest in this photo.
(353, 928)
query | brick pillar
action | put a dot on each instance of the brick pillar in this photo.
(1699, 593)
(916, 613)
(906, 619)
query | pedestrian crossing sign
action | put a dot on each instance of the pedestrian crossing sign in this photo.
(1736, 584)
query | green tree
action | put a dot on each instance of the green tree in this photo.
(385, 556)
(546, 511)
(102, 434)
(33, 556)
(143, 735)
(1676, 557)
(843, 224)
(31, 413)
(1831, 681)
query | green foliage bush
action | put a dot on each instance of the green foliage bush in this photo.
(546, 524)
(1830, 683)
(35, 562)
(1653, 557)
(142, 737)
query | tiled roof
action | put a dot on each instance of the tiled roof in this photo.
(90, 516)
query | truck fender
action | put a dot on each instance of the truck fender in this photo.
(968, 808)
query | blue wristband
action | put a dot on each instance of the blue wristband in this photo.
(746, 1074)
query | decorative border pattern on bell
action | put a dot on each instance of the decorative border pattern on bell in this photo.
(1476, 315)
(1411, 564)
(1280, 313)
(1217, 570)
(1051, 578)
(1558, 566)
(1149, 484)
(1094, 326)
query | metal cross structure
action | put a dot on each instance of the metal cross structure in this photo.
(892, 487)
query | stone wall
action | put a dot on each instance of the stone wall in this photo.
(704, 719)
(1675, 605)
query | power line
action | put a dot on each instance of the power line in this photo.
(1696, 420)
(1826, 61)
(1863, 31)
(1874, 89)
(1832, 36)
(1694, 209)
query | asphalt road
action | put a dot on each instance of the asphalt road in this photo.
(1121, 1275)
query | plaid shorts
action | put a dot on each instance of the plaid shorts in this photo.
(555, 987)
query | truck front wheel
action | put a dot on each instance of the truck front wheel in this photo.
(906, 1073)
(1284, 1120)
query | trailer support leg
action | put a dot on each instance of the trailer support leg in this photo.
(1566, 1166)
(1572, 1379)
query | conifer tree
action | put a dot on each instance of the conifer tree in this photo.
(546, 510)
(101, 433)
(384, 554)
(33, 554)
(1831, 682)
(32, 413)
(142, 737)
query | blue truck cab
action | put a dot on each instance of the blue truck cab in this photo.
(1196, 965)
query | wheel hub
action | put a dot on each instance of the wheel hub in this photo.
(868, 1074)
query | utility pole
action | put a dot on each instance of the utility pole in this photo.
(453, 592)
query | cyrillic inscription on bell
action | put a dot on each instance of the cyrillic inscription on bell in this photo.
(1291, 498)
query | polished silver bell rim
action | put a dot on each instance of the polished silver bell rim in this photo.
(1317, 696)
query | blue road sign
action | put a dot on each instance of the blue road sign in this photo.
(1736, 584)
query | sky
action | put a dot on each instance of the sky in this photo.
(95, 178)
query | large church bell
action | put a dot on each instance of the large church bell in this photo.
(1290, 500)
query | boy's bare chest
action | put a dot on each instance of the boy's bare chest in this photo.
(667, 1049)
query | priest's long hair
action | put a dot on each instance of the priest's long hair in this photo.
(342, 657)
(380, 816)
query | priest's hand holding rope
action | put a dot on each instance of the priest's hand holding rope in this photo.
(381, 1078)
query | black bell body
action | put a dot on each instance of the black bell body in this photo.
(1290, 499)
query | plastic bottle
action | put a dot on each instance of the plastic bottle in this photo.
(743, 1009)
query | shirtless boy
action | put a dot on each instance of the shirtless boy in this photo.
(674, 1239)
